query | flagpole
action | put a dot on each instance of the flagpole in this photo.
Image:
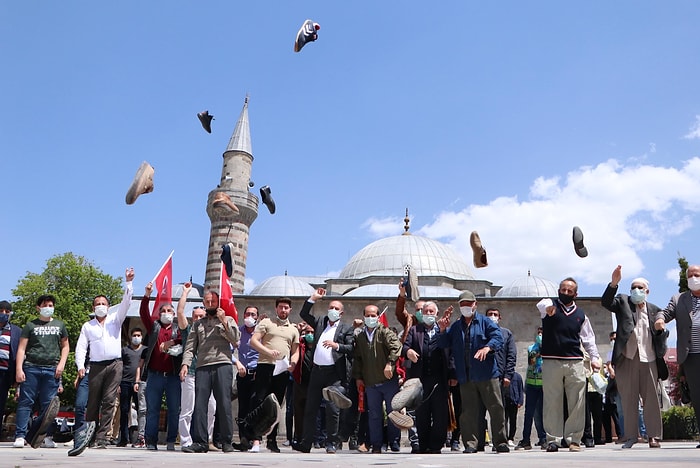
(221, 281)
(161, 268)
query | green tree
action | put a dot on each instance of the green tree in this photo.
(682, 279)
(74, 281)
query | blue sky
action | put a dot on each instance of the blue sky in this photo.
(515, 119)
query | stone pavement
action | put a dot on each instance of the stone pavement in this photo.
(675, 454)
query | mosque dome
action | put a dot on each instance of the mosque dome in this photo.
(278, 286)
(389, 257)
(529, 286)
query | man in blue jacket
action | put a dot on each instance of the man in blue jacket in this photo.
(474, 339)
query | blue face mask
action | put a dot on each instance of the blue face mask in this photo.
(333, 315)
(371, 322)
(538, 340)
(419, 316)
(309, 337)
(638, 296)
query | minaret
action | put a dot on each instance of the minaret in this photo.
(231, 227)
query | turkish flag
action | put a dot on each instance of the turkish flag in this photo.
(382, 317)
(226, 295)
(163, 286)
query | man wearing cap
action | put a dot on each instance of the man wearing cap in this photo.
(565, 328)
(637, 346)
(474, 340)
(685, 309)
(9, 341)
(103, 336)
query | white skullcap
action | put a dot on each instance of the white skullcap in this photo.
(643, 281)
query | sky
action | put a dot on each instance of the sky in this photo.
(516, 119)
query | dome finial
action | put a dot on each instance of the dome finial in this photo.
(407, 222)
(528, 272)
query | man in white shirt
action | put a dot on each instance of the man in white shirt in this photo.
(103, 336)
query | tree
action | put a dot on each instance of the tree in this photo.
(74, 281)
(682, 279)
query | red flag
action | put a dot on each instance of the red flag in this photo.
(226, 295)
(163, 286)
(382, 317)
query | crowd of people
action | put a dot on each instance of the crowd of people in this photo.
(358, 382)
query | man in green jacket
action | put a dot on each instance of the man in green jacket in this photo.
(374, 367)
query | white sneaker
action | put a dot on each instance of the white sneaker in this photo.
(48, 443)
(255, 448)
(511, 443)
(19, 442)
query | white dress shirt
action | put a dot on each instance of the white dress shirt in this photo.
(324, 356)
(103, 339)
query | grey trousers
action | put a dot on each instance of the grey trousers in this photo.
(564, 377)
(637, 379)
(487, 392)
(103, 387)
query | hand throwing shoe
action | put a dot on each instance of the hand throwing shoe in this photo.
(335, 395)
(267, 198)
(401, 420)
(48, 418)
(409, 395)
(142, 183)
(579, 248)
(205, 119)
(307, 33)
(82, 439)
(222, 201)
(479, 251)
(227, 258)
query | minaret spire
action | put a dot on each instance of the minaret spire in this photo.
(227, 226)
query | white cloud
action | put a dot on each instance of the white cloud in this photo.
(622, 210)
(694, 132)
(672, 275)
(249, 284)
(652, 147)
(382, 227)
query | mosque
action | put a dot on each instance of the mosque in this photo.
(372, 275)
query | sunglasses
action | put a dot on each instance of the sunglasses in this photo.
(198, 307)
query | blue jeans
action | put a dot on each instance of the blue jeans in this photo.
(533, 411)
(375, 395)
(157, 384)
(81, 398)
(40, 386)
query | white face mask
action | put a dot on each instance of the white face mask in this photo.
(333, 315)
(46, 311)
(694, 283)
(101, 310)
(493, 318)
(429, 320)
(135, 340)
(166, 319)
(637, 296)
(249, 322)
(371, 322)
(466, 311)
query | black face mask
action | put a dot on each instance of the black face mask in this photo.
(566, 299)
(211, 312)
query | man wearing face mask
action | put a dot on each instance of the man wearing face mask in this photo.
(9, 341)
(377, 349)
(565, 328)
(128, 389)
(329, 374)
(474, 340)
(434, 366)
(634, 355)
(41, 357)
(103, 336)
(161, 370)
(211, 341)
(685, 309)
(246, 365)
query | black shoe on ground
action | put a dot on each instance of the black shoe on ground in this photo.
(352, 443)
(154, 447)
(415, 448)
(469, 450)
(376, 450)
(298, 447)
(480, 448)
(227, 448)
(588, 443)
(502, 448)
(552, 447)
(523, 445)
(194, 448)
(330, 448)
(272, 446)
(395, 447)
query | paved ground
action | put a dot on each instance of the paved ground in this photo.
(676, 454)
